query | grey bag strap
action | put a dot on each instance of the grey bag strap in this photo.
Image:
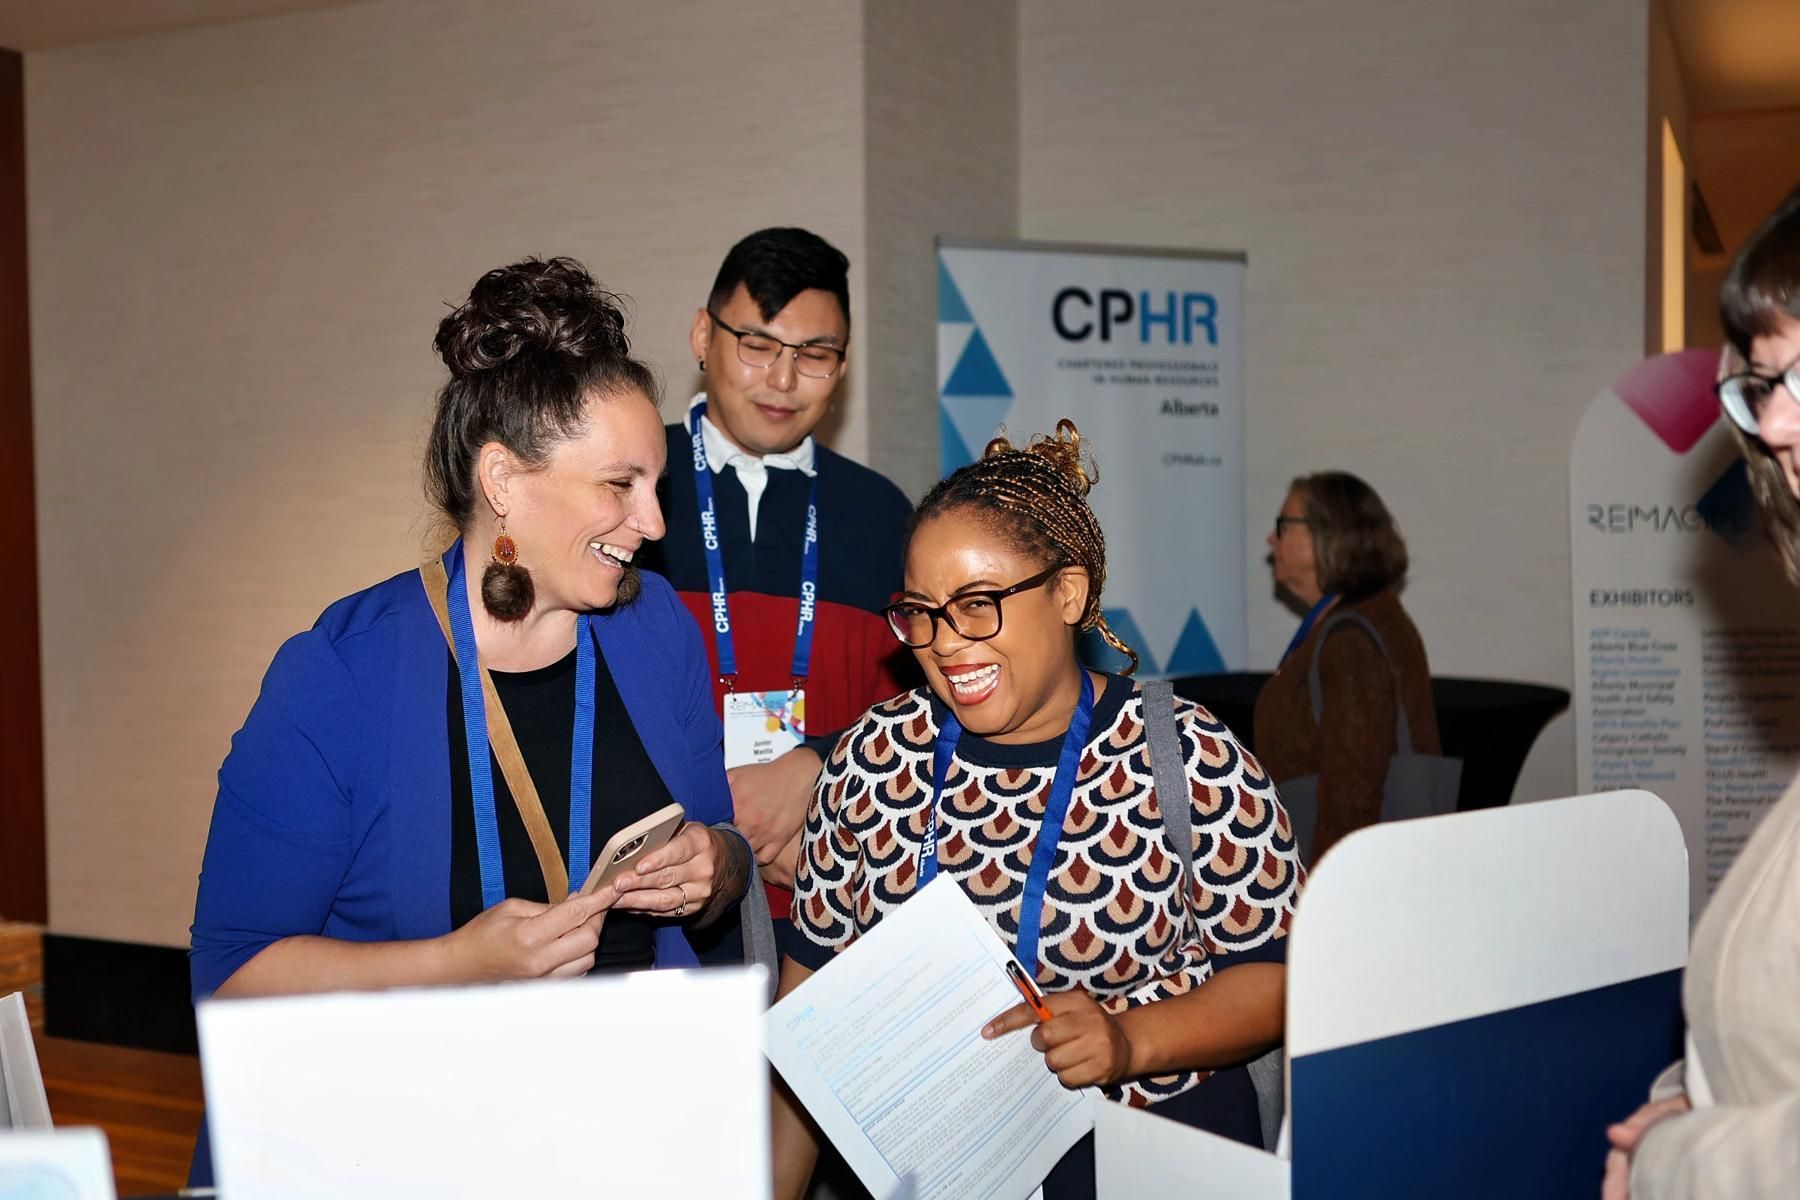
(758, 925)
(1167, 769)
(1403, 743)
(1168, 773)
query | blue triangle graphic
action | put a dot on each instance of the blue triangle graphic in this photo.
(952, 452)
(951, 309)
(976, 373)
(1102, 657)
(1195, 651)
(976, 418)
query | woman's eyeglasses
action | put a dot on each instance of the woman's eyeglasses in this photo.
(1745, 392)
(1281, 524)
(974, 616)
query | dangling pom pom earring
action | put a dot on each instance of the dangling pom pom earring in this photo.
(506, 589)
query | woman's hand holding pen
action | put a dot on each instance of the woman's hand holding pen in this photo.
(1081, 1042)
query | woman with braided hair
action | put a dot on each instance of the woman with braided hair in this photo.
(1159, 986)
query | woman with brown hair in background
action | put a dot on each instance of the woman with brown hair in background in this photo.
(1335, 550)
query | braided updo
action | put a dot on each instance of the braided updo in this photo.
(1035, 497)
(534, 342)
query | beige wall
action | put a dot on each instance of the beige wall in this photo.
(941, 156)
(242, 238)
(1443, 206)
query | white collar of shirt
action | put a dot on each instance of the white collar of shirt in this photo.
(752, 471)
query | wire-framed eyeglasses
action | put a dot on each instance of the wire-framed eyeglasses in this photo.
(815, 360)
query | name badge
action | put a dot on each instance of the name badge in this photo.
(762, 726)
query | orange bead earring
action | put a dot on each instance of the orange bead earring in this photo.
(506, 588)
(506, 551)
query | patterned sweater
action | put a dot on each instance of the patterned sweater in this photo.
(1116, 921)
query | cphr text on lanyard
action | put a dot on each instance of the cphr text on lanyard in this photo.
(759, 726)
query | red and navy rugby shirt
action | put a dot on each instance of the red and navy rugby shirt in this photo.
(856, 662)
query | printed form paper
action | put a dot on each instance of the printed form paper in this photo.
(883, 1046)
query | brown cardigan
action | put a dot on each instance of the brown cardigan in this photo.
(1349, 748)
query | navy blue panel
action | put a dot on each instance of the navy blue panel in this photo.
(1513, 1104)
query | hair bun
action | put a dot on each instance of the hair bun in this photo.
(1065, 450)
(529, 308)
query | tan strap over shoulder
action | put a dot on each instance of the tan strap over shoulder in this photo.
(505, 747)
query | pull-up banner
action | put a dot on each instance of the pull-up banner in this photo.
(1143, 350)
(1687, 634)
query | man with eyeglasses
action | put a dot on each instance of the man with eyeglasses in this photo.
(784, 551)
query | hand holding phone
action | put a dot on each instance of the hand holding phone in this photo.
(623, 850)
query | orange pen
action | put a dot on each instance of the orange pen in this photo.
(1027, 989)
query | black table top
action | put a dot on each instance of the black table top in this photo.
(1448, 692)
(1490, 724)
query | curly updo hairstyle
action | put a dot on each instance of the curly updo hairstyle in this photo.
(1035, 497)
(533, 343)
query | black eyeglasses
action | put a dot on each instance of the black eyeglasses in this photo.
(812, 359)
(1744, 393)
(972, 615)
(1281, 524)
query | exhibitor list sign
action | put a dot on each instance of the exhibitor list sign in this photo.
(1687, 633)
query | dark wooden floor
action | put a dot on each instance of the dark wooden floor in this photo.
(148, 1103)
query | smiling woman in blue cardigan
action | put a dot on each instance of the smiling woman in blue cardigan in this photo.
(365, 835)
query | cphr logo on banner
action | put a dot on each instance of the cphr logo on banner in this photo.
(1142, 349)
(1073, 313)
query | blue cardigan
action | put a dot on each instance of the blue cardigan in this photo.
(333, 813)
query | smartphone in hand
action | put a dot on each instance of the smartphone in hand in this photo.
(625, 848)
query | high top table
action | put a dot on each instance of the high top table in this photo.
(1490, 724)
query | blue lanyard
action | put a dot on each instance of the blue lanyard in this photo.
(481, 765)
(715, 566)
(1307, 622)
(1056, 810)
